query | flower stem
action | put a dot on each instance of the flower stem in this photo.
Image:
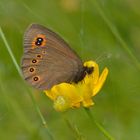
(30, 93)
(74, 129)
(99, 126)
(10, 51)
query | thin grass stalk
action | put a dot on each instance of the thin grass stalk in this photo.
(82, 31)
(10, 51)
(74, 129)
(99, 126)
(30, 93)
(116, 33)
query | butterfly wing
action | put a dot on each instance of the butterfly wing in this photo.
(48, 60)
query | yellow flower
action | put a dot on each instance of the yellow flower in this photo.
(66, 95)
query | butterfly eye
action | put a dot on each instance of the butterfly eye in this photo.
(35, 78)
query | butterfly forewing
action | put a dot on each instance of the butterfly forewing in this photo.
(47, 59)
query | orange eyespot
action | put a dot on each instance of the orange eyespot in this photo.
(43, 52)
(35, 78)
(31, 69)
(39, 41)
(39, 56)
(34, 61)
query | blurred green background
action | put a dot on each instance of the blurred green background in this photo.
(84, 26)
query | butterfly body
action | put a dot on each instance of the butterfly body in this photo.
(48, 60)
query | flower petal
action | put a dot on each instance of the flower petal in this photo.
(100, 82)
(88, 102)
(66, 95)
(95, 73)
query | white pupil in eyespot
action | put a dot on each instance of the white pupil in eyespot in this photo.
(39, 41)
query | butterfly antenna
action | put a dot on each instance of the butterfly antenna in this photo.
(103, 56)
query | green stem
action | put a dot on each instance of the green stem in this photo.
(99, 126)
(74, 129)
(116, 33)
(10, 51)
(19, 71)
(40, 115)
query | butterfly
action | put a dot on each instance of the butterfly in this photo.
(48, 60)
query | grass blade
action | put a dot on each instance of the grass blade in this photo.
(99, 126)
(30, 93)
(116, 33)
(10, 51)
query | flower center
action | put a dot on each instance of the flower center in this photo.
(61, 104)
(60, 100)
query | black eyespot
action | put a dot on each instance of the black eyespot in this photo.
(34, 61)
(36, 78)
(31, 69)
(43, 52)
(39, 41)
(39, 56)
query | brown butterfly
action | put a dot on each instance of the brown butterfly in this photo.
(48, 60)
